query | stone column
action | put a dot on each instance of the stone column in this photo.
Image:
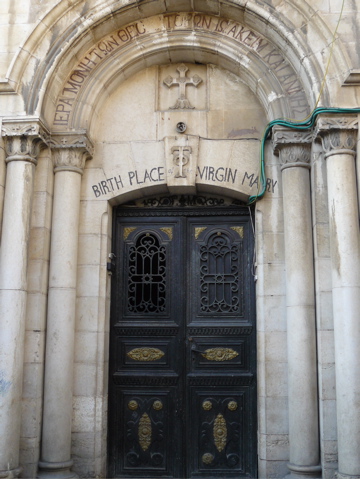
(22, 143)
(339, 136)
(294, 148)
(70, 153)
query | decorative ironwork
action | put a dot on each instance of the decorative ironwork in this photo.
(219, 354)
(146, 331)
(220, 432)
(128, 231)
(145, 354)
(207, 405)
(168, 231)
(133, 405)
(219, 275)
(147, 276)
(183, 200)
(220, 331)
(239, 230)
(199, 230)
(207, 458)
(130, 380)
(232, 406)
(145, 431)
(158, 405)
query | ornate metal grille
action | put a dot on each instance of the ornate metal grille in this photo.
(219, 275)
(147, 276)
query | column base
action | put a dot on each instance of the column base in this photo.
(339, 475)
(303, 472)
(56, 470)
(11, 473)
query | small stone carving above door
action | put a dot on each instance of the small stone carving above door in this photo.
(182, 88)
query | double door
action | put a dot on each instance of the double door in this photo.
(182, 388)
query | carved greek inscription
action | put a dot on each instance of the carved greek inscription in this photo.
(195, 22)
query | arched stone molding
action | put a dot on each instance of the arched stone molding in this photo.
(40, 57)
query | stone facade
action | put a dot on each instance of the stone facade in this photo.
(103, 102)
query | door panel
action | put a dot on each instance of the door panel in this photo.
(182, 398)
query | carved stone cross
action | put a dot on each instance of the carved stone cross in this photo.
(182, 102)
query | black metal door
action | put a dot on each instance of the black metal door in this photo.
(182, 392)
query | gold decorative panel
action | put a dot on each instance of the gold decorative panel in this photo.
(145, 354)
(219, 354)
(198, 231)
(220, 432)
(168, 231)
(239, 230)
(145, 431)
(128, 231)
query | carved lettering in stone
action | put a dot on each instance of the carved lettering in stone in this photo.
(189, 23)
(182, 103)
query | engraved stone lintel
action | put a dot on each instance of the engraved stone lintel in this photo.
(24, 138)
(292, 146)
(338, 134)
(71, 150)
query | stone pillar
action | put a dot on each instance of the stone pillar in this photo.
(339, 136)
(22, 143)
(294, 148)
(70, 153)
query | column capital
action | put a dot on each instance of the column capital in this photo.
(292, 146)
(71, 150)
(23, 138)
(338, 134)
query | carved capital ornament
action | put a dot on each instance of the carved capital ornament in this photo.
(338, 134)
(24, 138)
(70, 151)
(293, 147)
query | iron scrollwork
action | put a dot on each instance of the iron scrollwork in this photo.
(147, 275)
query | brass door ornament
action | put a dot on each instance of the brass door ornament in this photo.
(207, 405)
(219, 354)
(220, 432)
(145, 431)
(133, 405)
(207, 458)
(239, 230)
(168, 231)
(128, 231)
(232, 406)
(158, 405)
(145, 354)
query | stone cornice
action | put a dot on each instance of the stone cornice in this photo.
(23, 138)
(292, 146)
(71, 150)
(338, 134)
